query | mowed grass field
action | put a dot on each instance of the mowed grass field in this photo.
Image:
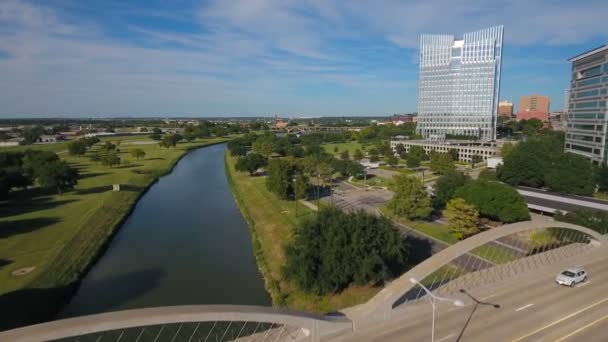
(272, 223)
(351, 147)
(60, 235)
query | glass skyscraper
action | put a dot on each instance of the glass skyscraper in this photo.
(459, 84)
(587, 130)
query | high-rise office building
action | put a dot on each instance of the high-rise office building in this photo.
(505, 108)
(587, 128)
(460, 84)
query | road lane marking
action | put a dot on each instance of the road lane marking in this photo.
(561, 320)
(583, 284)
(446, 337)
(581, 329)
(524, 307)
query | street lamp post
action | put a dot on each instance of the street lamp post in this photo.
(295, 192)
(433, 300)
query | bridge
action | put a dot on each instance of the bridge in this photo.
(551, 202)
(513, 298)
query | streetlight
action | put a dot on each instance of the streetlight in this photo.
(433, 300)
(496, 306)
(477, 304)
(295, 192)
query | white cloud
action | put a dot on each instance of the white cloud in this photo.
(249, 56)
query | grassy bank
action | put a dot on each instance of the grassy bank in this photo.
(272, 222)
(61, 235)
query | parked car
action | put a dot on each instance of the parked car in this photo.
(571, 276)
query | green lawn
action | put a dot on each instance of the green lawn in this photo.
(449, 271)
(494, 254)
(272, 222)
(440, 232)
(403, 170)
(351, 147)
(60, 235)
(601, 195)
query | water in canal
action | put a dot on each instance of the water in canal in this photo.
(185, 243)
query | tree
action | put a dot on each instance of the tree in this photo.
(358, 155)
(77, 147)
(411, 198)
(345, 155)
(336, 149)
(373, 154)
(385, 149)
(138, 153)
(108, 146)
(462, 218)
(336, 249)
(475, 159)
(374, 158)
(525, 165)
(418, 152)
(264, 145)
(301, 186)
(95, 157)
(593, 219)
(602, 178)
(12, 173)
(506, 149)
(540, 161)
(90, 141)
(446, 185)
(392, 160)
(570, 173)
(531, 127)
(156, 133)
(31, 135)
(441, 163)
(57, 174)
(251, 163)
(189, 136)
(487, 174)
(412, 161)
(278, 178)
(453, 153)
(401, 151)
(494, 200)
(34, 161)
(170, 140)
(109, 158)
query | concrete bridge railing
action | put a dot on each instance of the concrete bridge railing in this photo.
(311, 327)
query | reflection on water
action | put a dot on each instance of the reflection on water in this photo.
(185, 243)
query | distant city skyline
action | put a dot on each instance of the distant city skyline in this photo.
(264, 57)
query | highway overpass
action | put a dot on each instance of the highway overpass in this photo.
(551, 202)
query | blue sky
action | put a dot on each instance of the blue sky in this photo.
(259, 57)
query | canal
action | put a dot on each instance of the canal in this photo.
(185, 243)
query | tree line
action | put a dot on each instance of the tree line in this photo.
(333, 249)
(23, 169)
(541, 162)
(462, 200)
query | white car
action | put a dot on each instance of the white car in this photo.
(571, 276)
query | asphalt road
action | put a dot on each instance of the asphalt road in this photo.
(532, 308)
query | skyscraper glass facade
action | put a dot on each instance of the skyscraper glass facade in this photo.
(587, 127)
(460, 84)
